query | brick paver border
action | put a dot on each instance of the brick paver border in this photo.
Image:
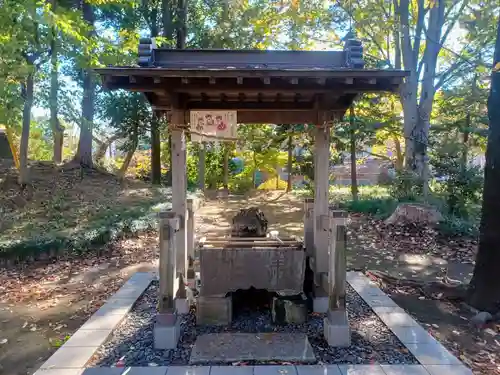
(74, 355)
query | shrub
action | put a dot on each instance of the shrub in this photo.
(378, 207)
(456, 226)
(270, 184)
(407, 186)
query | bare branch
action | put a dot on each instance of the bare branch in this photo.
(418, 31)
(454, 20)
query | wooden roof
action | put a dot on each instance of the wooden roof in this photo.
(263, 86)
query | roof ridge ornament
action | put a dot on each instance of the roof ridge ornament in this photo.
(353, 49)
(145, 51)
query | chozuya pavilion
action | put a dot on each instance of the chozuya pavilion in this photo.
(280, 87)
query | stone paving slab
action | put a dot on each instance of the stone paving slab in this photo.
(361, 370)
(404, 370)
(318, 370)
(232, 347)
(88, 337)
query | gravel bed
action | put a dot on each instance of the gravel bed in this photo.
(131, 343)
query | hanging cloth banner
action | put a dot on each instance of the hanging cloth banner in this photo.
(207, 126)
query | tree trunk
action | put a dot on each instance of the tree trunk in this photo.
(201, 166)
(254, 174)
(84, 153)
(128, 159)
(354, 172)
(155, 150)
(181, 23)
(277, 186)
(484, 291)
(27, 93)
(57, 130)
(399, 155)
(103, 146)
(289, 164)
(167, 19)
(465, 140)
(225, 178)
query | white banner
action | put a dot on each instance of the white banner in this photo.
(209, 126)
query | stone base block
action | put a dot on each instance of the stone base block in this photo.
(214, 311)
(336, 329)
(289, 309)
(167, 330)
(320, 305)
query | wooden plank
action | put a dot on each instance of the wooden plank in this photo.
(169, 223)
(219, 238)
(269, 242)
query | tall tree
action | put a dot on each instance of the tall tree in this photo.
(484, 292)
(84, 152)
(57, 130)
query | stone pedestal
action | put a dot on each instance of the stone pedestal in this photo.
(336, 328)
(167, 331)
(214, 310)
(289, 309)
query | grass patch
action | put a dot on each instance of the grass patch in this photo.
(64, 212)
(381, 208)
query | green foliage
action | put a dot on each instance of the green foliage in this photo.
(407, 186)
(378, 207)
(461, 186)
(457, 226)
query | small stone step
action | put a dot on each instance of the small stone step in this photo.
(233, 347)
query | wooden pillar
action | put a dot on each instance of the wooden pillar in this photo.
(190, 238)
(309, 226)
(337, 263)
(225, 179)
(179, 190)
(201, 166)
(321, 186)
(169, 225)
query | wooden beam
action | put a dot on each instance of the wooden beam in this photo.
(251, 73)
(276, 117)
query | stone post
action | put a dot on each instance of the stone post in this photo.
(322, 184)
(336, 323)
(309, 226)
(190, 239)
(167, 326)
